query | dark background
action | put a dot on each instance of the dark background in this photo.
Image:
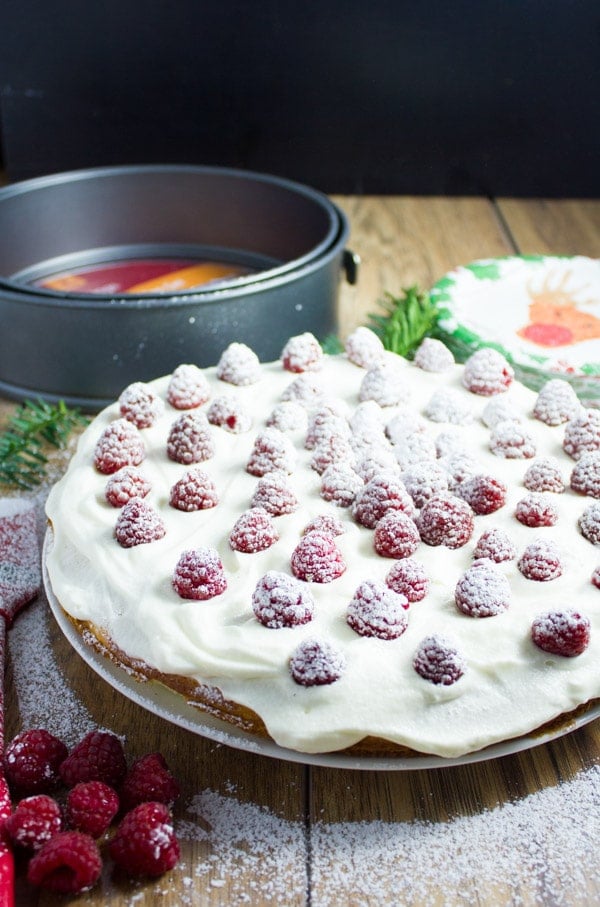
(455, 97)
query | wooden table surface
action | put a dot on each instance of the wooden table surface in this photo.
(273, 832)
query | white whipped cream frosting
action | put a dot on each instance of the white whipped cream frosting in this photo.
(509, 687)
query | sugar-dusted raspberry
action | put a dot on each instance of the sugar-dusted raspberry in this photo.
(272, 451)
(35, 820)
(120, 444)
(589, 523)
(238, 365)
(536, 509)
(484, 494)
(229, 413)
(585, 477)
(199, 574)
(334, 449)
(445, 520)
(126, 484)
(138, 524)
(316, 663)
(364, 348)
(253, 531)
(499, 410)
(448, 405)
(459, 466)
(408, 578)
(582, 434)
(325, 522)
(91, 806)
(433, 356)
(482, 590)
(190, 439)
(423, 480)
(195, 490)
(384, 492)
(396, 535)
(149, 779)
(512, 440)
(303, 390)
(69, 863)
(274, 493)
(279, 601)
(188, 387)
(302, 353)
(556, 402)
(288, 416)
(376, 610)
(139, 404)
(564, 633)
(340, 484)
(595, 577)
(487, 372)
(386, 383)
(99, 756)
(144, 843)
(495, 545)
(376, 460)
(437, 660)
(317, 559)
(544, 474)
(368, 419)
(32, 760)
(541, 561)
(404, 423)
(414, 449)
(324, 422)
(450, 441)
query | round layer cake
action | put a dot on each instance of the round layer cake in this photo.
(343, 551)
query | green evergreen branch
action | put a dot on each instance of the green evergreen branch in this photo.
(405, 320)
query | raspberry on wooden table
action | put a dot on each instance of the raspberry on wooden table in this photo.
(195, 490)
(281, 601)
(541, 561)
(317, 559)
(34, 821)
(564, 633)
(254, 530)
(487, 372)
(582, 434)
(433, 356)
(386, 383)
(144, 843)
(589, 523)
(409, 578)
(423, 480)
(199, 574)
(535, 510)
(91, 806)
(381, 494)
(99, 756)
(272, 452)
(302, 353)
(188, 387)
(482, 590)
(126, 484)
(544, 475)
(139, 404)
(149, 779)
(512, 440)
(585, 476)
(364, 348)
(327, 523)
(445, 520)
(238, 365)
(484, 494)
(438, 661)
(138, 524)
(120, 444)
(190, 439)
(376, 610)
(316, 663)
(274, 493)
(231, 414)
(495, 545)
(396, 535)
(69, 863)
(340, 484)
(32, 761)
(556, 403)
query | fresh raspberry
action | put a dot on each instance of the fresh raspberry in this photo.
(188, 387)
(35, 820)
(340, 484)
(582, 434)
(495, 545)
(487, 373)
(288, 416)
(459, 466)
(413, 450)
(408, 578)
(396, 535)
(190, 439)
(556, 402)
(32, 761)
(375, 461)
(449, 442)
(231, 414)
(544, 475)
(327, 523)
(91, 806)
(126, 484)
(195, 490)
(120, 444)
(438, 661)
(482, 590)
(499, 410)
(238, 365)
(274, 493)
(484, 494)
(535, 510)
(376, 610)
(149, 779)
(316, 663)
(334, 449)
(302, 353)
(541, 561)
(585, 477)
(317, 559)
(367, 419)
(138, 524)
(253, 531)
(445, 520)
(272, 452)
(69, 863)
(144, 843)
(199, 574)
(383, 493)
(512, 441)
(303, 390)
(140, 405)
(564, 633)
(364, 348)
(322, 424)
(433, 356)
(448, 405)
(385, 383)
(405, 423)
(281, 601)
(423, 480)
(99, 756)
(589, 523)
(595, 578)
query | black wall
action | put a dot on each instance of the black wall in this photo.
(463, 96)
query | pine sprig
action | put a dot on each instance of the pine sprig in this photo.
(405, 321)
(33, 426)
